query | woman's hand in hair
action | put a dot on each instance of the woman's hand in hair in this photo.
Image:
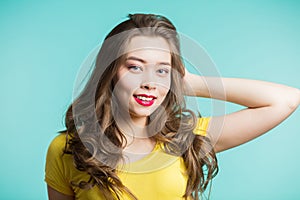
(266, 105)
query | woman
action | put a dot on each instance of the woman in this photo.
(129, 134)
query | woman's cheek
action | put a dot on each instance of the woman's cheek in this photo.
(129, 82)
(166, 84)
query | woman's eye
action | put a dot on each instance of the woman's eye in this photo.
(135, 68)
(163, 71)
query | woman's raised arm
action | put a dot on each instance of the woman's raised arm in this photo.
(267, 104)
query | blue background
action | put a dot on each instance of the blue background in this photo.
(43, 43)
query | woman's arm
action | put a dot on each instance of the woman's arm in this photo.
(55, 195)
(267, 104)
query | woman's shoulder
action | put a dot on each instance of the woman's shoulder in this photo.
(57, 157)
(59, 141)
(57, 146)
(59, 165)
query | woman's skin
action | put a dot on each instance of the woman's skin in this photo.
(147, 71)
(267, 104)
(55, 195)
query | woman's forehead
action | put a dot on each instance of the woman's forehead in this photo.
(148, 50)
(148, 42)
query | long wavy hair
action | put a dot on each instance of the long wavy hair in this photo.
(95, 140)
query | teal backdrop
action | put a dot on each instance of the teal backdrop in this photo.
(43, 43)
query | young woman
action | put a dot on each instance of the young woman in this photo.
(129, 134)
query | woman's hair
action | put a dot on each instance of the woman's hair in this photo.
(95, 140)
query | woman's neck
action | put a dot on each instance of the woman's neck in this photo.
(134, 128)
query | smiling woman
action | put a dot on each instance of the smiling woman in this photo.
(129, 134)
(145, 77)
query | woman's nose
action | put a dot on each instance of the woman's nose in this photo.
(148, 86)
(148, 82)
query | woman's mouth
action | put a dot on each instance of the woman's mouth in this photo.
(144, 100)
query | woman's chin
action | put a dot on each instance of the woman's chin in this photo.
(140, 114)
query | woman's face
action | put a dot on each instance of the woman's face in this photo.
(144, 77)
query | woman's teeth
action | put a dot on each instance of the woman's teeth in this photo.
(144, 98)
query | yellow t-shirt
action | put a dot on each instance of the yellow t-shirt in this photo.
(156, 176)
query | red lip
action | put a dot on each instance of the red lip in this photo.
(144, 102)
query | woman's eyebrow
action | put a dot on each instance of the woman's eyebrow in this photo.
(143, 61)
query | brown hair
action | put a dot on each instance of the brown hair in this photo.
(96, 142)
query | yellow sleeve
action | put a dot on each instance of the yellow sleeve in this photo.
(202, 126)
(55, 170)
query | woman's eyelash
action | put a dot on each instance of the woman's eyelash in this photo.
(134, 67)
(165, 71)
